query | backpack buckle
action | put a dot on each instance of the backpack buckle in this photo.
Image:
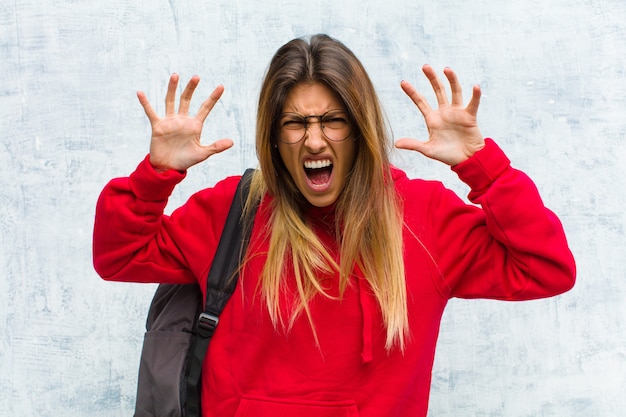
(206, 324)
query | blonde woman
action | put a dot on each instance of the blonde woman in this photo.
(350, 263)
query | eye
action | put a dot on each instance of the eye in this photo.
(337, 120)
(293, 122)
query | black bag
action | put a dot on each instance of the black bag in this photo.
(178, 331)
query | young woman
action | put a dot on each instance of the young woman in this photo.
(350, 263)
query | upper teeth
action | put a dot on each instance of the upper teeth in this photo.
(317, 164)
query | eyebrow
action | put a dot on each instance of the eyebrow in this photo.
(321, 114)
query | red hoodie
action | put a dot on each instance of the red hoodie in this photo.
(509, 248)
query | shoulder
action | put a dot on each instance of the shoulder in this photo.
(412, 187)
(212, 202)
(228, 185)
(422, 200)
(220, 194)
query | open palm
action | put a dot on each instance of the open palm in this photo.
(453, 134)
(175, 142)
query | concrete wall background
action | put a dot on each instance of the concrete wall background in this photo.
(553, 79)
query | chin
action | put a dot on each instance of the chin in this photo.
(321, 201)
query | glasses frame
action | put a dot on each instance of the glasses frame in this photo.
(320, 120)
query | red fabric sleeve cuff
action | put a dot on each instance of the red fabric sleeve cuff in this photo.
(149, 185)
(484, 167)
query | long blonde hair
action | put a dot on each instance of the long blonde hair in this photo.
(368, 211)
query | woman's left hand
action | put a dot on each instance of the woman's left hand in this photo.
(453, 134)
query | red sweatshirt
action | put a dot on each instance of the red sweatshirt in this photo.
(509, 248)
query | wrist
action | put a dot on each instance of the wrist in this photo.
(150, 185)
(156, 166)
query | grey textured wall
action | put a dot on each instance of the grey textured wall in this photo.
(553, 77)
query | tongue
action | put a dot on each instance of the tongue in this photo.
(319, 176)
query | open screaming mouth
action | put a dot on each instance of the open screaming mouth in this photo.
(318, 172)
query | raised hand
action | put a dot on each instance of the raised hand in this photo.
(453, 134)
(175, 142)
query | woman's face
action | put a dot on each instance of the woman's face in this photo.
(318, 165)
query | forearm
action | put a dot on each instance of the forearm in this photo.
(517, 249)
(128, 227)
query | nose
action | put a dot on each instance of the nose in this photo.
(314, 138)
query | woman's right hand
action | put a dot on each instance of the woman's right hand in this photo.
(175, 142)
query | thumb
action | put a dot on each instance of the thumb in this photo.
(216, 147)
(411, 145)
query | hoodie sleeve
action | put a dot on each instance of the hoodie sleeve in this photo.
(134, 241)
(511, 247)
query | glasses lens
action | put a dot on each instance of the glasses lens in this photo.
(292, 127)
(335, 125)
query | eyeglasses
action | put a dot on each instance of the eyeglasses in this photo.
(335, 125)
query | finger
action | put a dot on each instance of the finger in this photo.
(472, 106)
(217, 147)
(455, 87)
(411, 145)
(416, 97)
(147, 108)
(209, 103)
(170, 98)
(425, 148)
(435, 82)
(185, 97)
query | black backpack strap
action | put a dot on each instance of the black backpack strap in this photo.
(221, 283)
